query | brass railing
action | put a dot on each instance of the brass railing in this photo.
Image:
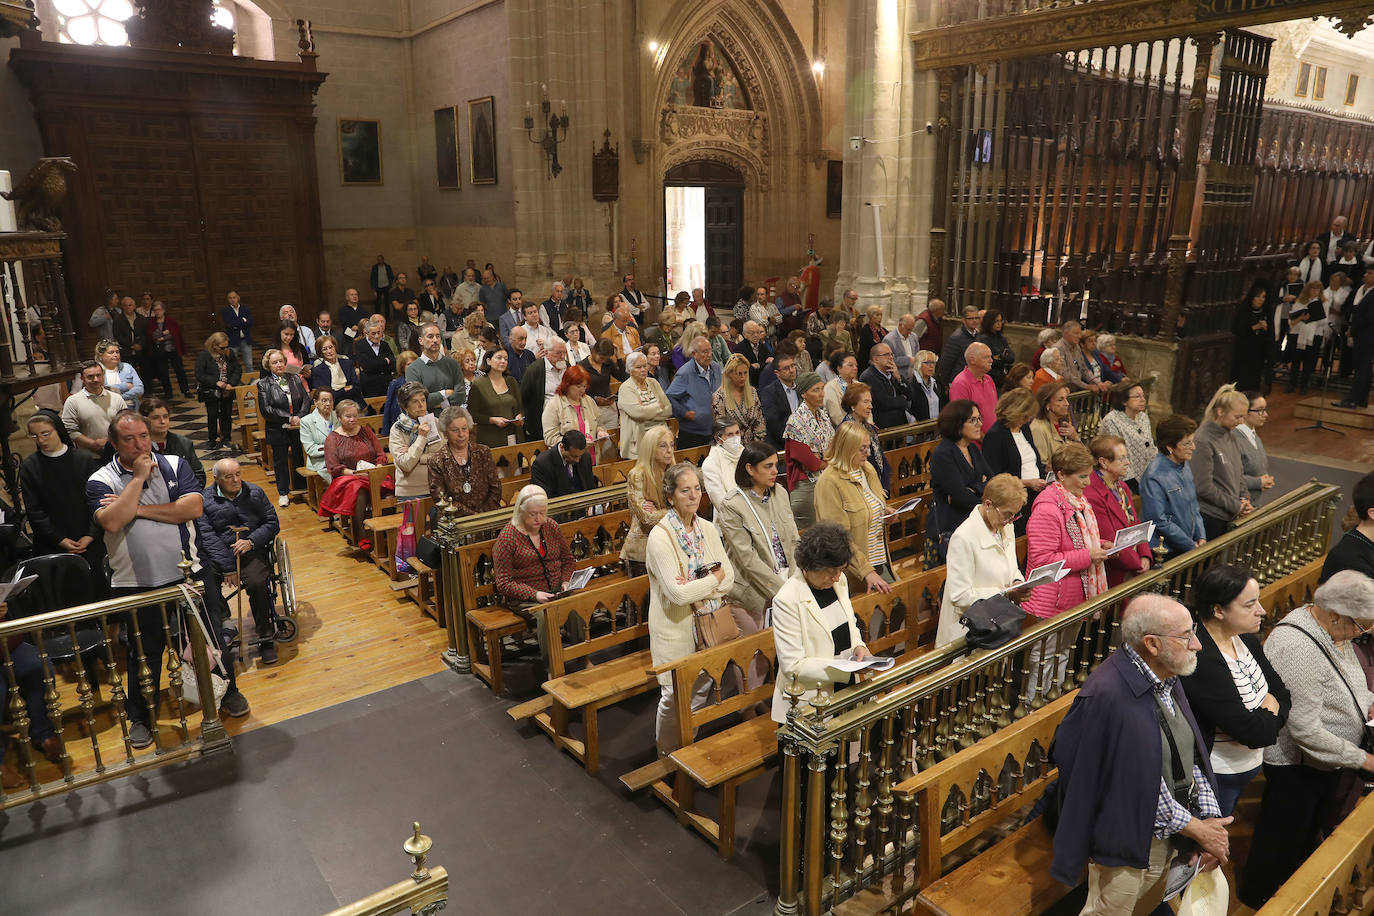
(72, 692)
(949, 698)
(454, 532)
(1335, 878)
(424, 893)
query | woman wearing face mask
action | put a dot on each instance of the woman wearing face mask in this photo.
(1217, 467)
(718, 470)
(760, 534)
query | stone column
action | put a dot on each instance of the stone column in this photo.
(892, 169)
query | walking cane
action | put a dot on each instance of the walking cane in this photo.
(238, 573)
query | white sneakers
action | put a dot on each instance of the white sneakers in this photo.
(283, 501)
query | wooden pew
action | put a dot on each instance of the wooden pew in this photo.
(726, 759)
(959, 799)
(249, 421)
(487, 622)
(614, 471)
(910, 478)
(595, 685)
(425, 588)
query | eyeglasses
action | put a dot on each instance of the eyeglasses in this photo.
(1186, 637)
(978, 421)
(1259, 410)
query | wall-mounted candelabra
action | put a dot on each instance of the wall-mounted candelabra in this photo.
(555, 130)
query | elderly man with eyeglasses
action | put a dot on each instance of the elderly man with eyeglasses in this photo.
(1136, 790)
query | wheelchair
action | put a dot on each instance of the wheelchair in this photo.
(281, 593)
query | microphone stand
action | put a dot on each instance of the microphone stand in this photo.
(1326, 388)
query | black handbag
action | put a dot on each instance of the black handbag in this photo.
(992, 622)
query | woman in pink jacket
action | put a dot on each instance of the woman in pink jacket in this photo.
(1062, 527)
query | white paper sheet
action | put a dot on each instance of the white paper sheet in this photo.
(873, 662)
(904, 507)
(1129, 537)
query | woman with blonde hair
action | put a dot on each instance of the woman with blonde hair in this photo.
(281, 404)
(848, 491)
(737, 400)
(218, 372)
(644, 493)
(642, 404)
(1217, 465)
(982, 555)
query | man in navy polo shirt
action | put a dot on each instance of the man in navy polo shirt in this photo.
(147, 504)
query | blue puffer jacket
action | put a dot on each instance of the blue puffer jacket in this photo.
(251, 509)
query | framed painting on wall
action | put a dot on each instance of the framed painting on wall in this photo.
(446, 148)
(360, 151)
(482, 140)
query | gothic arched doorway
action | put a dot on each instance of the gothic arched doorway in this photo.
(703, 237)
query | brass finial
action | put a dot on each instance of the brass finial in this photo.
(417, 847)
(794, 693)
(185, 566)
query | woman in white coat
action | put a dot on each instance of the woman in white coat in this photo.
(689, 573)
(813, 621)
(982, 555)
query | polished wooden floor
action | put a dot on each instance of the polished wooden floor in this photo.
(356, 636)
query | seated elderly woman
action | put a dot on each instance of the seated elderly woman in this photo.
(689, 575)
(335, 372)
(1315, 773)
(849, 492)
(315, 428)
(462, 471)
(350, 445)
(982, 555)
(531, 558)
(813, 622)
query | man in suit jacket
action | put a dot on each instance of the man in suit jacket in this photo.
(1360, 308)
(513, 316)
(537, 385)
(1334, 239)
(780, 398)
(324, 327)
(754, 349)
(565, 468)
(891, 397)
(952, 356)
(905, 345)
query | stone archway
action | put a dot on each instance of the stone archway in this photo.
(774, 143)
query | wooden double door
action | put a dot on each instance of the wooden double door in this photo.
(724, 223)
(188, 184)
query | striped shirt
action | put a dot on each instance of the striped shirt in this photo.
(1229, 755)
(877, 547)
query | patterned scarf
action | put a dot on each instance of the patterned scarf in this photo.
(693, 546)
(1082, 528)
